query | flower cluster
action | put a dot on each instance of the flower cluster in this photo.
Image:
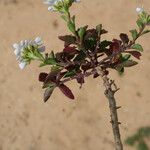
(58, 5)
(28, 50)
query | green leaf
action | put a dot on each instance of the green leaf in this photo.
(52, 55)
(144, 132)
(55, 68)
(73, 19)
(134, 34)
(146, 31)
(48, 61)
(70, 74)
(142, 146)
(104, 44)
(125, 57)
(131, 140)
(148, 20)
(81, 32)
(140, 23)
(51, 61)
(64, 18)
(137, 47)
(71, 27)
(99, 28)
(81, 56)
(145, 17)
(120, 70)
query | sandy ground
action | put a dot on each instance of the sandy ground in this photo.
(26, 123)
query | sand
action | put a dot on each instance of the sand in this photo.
(26, 123)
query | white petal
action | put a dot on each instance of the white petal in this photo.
(18, 58)
(139, 10)
(15, 46)
(22, 43)
(77, 1)
(50, 8)
(17, 52)
(38, 41)
(22, 65)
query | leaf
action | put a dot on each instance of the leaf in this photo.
(81, 32)
(48, 61)
(81, 56)
(70, 74)
(80, 80)
(131, 140)
(71, 27)
(125, 57)
(142, 146)
(64, 18)
(134, 53)
(73, 18)
(51, 78)
(145, 17)
(120, 70)
(96, 75)
(146, 31)
(68, 39)
(48, 93)
(137, 47)
(66, 91)
(148, 20)
(52, 55)
(69, 49)
(51, 61)
(104, 44)
(99, 28)
(42, 76)
(140, 23)
(134, 34)
(115, 46)
(128, 63)
(124, 38)
(144, 132)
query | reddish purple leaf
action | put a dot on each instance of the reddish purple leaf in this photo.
(69, 49)
(115, 45)
(66, 91)
(80, 80)
(134, 53)
(86, 66)
(68, 39)
(96, 75)
(42, 76)
(124, 38)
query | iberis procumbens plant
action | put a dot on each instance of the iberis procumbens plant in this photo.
(84, 54)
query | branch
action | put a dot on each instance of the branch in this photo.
(110, 90)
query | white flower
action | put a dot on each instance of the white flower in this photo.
(77, 1)
(19, 49)
(22, 65)
(53, 3)
(139, 10)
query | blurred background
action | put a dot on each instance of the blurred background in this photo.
(26, 122)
